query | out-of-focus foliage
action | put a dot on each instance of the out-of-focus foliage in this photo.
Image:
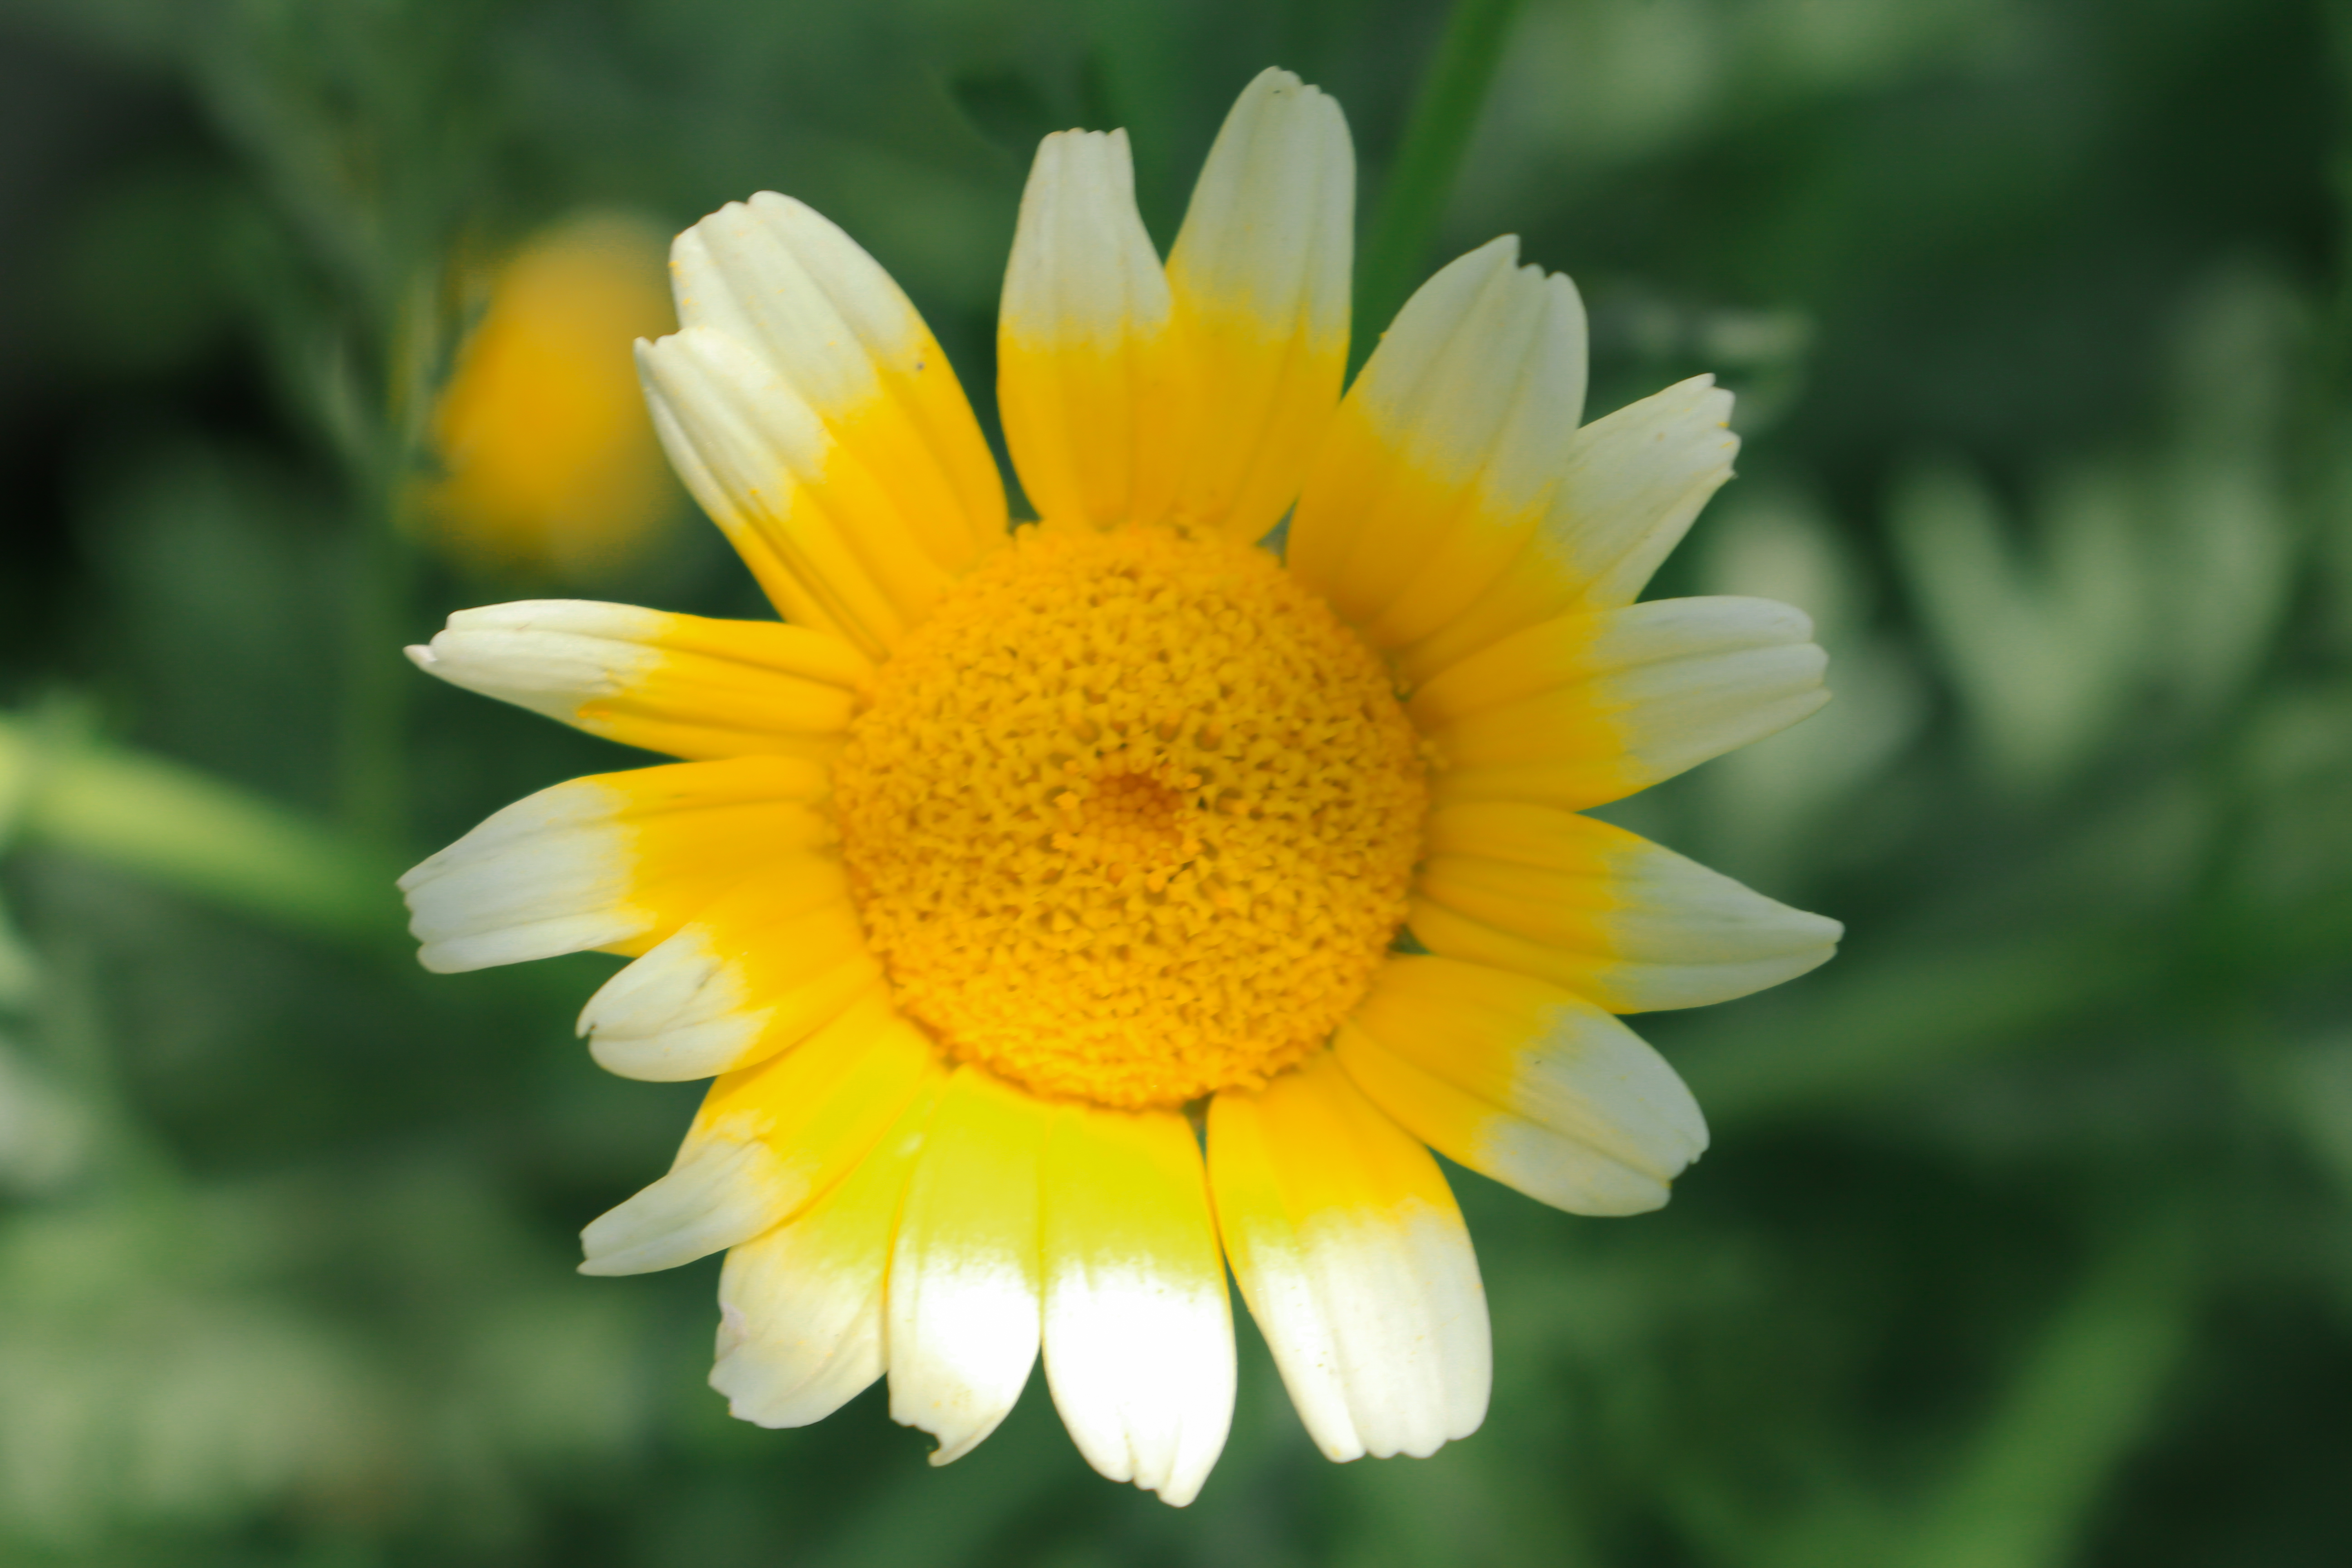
(2026, 1237)
(548, 461)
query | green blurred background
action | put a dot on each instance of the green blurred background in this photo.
(2026, 1237)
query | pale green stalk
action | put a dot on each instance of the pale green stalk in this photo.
(1444, 113)
(189, 831)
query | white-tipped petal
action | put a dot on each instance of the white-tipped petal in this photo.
(831, 550)
(767, 1140)
(1352, 1255)
(1634, 482)
(746, 977)
(719, 1192)
(1585, 709)
(1524, 1082)
(1447, 449)
(1139, 1335)
(1611, 916)
(681, 684)
(616, 861)
(800, 1307)
(964, 1310)
(777, 278)
(547, 655)
(1629, 485)
(674, 1015)
(1258, 279)
(1088, 374)
(546, 875)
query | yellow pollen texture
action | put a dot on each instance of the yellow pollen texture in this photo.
(1130, 818)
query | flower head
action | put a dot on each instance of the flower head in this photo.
(1035, 899)
(549, 464)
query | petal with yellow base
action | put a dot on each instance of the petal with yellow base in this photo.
(1446, 451)
(616, 862)
(767, 1140)
(1524, 1082)
(1258, 283)
(1138, 1332)
(788, 284)
(754, 972)
(1089, 374)
(1353, 1256)
(964, 1307)
(1586, 709)
(1629, 486)
(802, 505)
(683, 685)
(1606, 913)
(800, 1307)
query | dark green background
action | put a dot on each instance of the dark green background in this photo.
(2026, 1237)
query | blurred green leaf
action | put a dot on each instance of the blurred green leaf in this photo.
(1006, 105)
(2024, 1494)
(2046, 654)
(1445, 111)
(1865, 1028)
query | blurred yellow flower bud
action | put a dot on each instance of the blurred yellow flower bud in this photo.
(550, 465)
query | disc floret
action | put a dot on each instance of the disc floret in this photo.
(1132, 818)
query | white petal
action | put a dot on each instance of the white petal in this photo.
(1525, 1082)
(1697, 677)
(1633, 481)
(683, 684)
(1588, 708)
(1259, 277)
(719, 1193)
(547, 655)
(756, 454)
(1088, 377)
(1483, 371)
(1354, 1260)
(1082, 269)
(964, 1308)
(768, 1139)
(745, 978)
(677, 1014)
(1139, 1335)
(1142, 1368)
(1269, 227)
(549, 874)
(602, 861)
(1604, 912)
(1447, 447)
(800, 1307)
(1547, 1164)
(1380, 1324)
(1628, 486)
(787, 284)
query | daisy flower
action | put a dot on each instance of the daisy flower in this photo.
(1068, 913)
(548, 462)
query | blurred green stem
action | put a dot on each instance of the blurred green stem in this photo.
(373, 790)
(2023, 1491)
(187, 830)
(373, 775)
(1444, 112)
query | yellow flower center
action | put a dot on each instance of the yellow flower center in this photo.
(1130, 819)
